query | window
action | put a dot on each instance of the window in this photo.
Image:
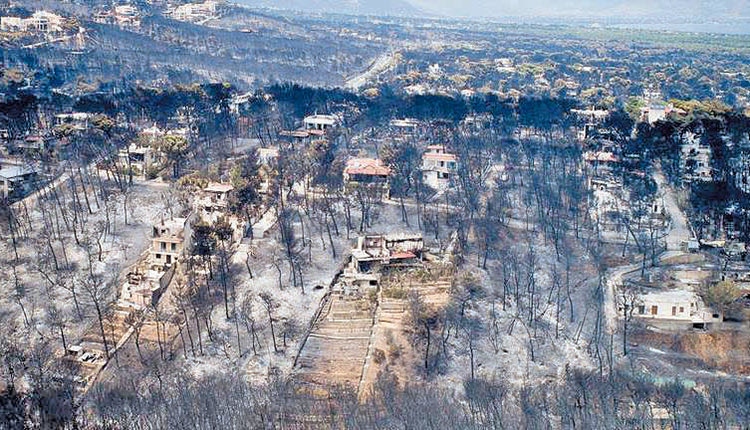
(641, 309)
(674, 310)
(162, 246)
(682, 309)
(654, 310)
(158, 256)
(174, 247)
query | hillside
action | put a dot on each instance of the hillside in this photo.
(351, 7)
(243, 47)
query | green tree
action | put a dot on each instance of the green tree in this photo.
(247, 200)
(204, 243)
(175, 148)
(721, 296)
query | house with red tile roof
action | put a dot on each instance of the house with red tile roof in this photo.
(367, 171)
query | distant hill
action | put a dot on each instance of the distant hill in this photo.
(353, 7)
(665, 9)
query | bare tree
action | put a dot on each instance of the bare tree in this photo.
(251, 324)
(628, 301)
(423, 321)
(135, 321)
(270, 304)
(98, 293)
(58, 321)
(290, 329)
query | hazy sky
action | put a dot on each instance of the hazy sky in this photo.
(684, 8)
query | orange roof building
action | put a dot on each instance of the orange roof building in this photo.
(368, 171)
(366, 167)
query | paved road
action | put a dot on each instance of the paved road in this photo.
(680, 230)
(381, 64)
(31, 199)
(614, 280)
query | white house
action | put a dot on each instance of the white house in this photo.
(40, 22)
(675, 309)
(126, 10)
(143, 290)
(45, 22)
(139, 159)
(406, 125)
(12, 23)
(170, 238)
(16, 181)
(213, 200)
(127, 16)
(266, 156)
(78, 120)
(739, 166)
(438, 167)
(696, 159)
(320, 122)
(195, 11)
(591, 118)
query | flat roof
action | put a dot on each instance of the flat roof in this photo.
(601, 156)
(670, 296)
(15, 171)
(172, 224)
(402, 237)
(320, 119)
(437, 156)
(268, 152)
(295, 133)
(218, 188)
(406, 122)
(74, 115)
(135, 149)
(403, 255)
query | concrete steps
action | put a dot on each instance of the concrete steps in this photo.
(336, 350)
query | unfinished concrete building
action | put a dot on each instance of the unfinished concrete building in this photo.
(170, 238)
(374, 253)
(439, 167)
(366, 313)
(213, 201)
(144, 287)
